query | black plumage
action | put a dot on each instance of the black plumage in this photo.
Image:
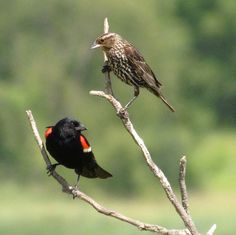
(70, 148)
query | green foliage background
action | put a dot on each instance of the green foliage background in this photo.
(46, 65)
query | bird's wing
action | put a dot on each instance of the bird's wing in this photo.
(85, 144)
(141, 68)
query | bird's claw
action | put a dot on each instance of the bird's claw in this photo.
(74, 195)
(122, 112)
(51, 168)
(106, 68)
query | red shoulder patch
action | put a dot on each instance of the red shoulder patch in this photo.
(84, 142)
(48, 132)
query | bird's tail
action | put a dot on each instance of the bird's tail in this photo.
(95, 172)
(162, 97)
(156, 91)
(166, 103)
(101, 173)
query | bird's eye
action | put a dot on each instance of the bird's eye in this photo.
(101, 40)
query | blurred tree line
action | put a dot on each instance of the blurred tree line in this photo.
(46, 65)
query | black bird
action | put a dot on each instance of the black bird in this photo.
(71, 149)
(128, 65)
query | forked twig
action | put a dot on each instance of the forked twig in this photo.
(182, 210)
(124, 116)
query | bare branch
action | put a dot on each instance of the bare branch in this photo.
(99, 208)
(108, 87)
(124, 116)
(105, 30)
(182, 210)
(212, 230)
(140, 225)
(182, 184)
(37, 137)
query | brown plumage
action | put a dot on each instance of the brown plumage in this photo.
(129, 65)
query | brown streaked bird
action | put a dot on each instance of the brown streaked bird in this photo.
(128, 65)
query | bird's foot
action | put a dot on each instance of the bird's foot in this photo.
(51, 168)
(130, 102)
(123, 113)
(106, 68)
(75, 188)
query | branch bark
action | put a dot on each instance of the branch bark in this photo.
(124, 116)
(182, 184)
(108, 87)
(76, 193)
(212, 230)
(182, 210)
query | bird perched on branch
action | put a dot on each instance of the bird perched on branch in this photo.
(128, 65)
(71, 149)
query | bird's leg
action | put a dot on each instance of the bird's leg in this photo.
(106, 68)
(129, 103)
(78, 172)
(122, 112)
(136, 93)
(51, 168)
(76, 186)
(77, 183)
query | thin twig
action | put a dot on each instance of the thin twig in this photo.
(182, 183)
(99, 208)
(124, 116)
(108, 87)
(105, 30)
(212, 230)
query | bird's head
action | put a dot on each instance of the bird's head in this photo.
(65, 126)
(106, 41)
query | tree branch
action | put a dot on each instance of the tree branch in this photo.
(182, 184)
(124, 116)
(182, 210)
(75, 192)
(108, 87)
(212, 230)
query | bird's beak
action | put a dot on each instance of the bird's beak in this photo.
(95, 45)
(81, 128)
